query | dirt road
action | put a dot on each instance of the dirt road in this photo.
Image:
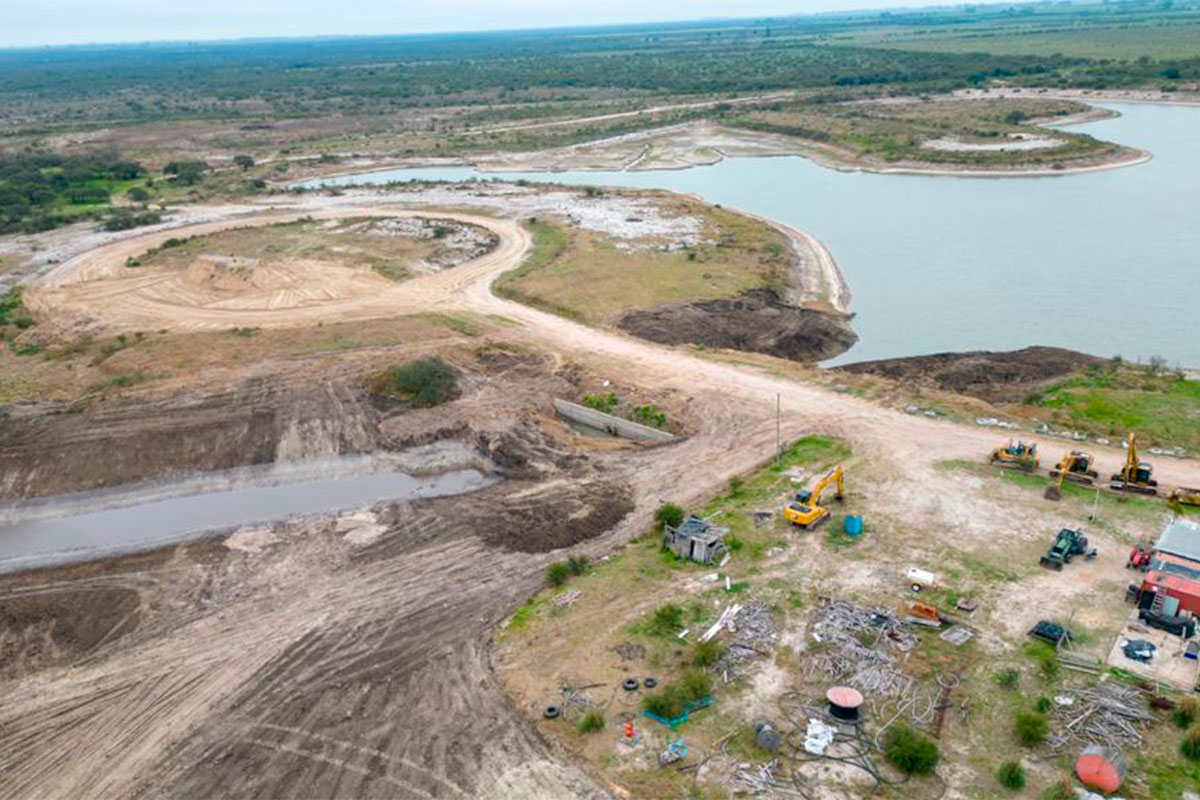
(320, 669)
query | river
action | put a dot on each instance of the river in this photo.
(1105, 262)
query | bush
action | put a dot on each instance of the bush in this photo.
(427, 382)
(1031, 728)
(695, 685)
(667, 702)
(591, 722)
(1043, 704)
(1186, 711)
(558, 573)
(1008, 678)
(1048, 666)
(577, 564)
(1061, 789)
(669, 514)
(1189, 746)
(665, 621)
(735, 486)
(604, 403)
(1011, 775)
(650, 415)
(910, 751)
(705, 654)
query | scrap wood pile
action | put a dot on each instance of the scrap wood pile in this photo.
(855, 647)
(752, 634)
(1109, 714)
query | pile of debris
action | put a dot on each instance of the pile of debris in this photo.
(1109, 714)
(752, 634)
(855, 647)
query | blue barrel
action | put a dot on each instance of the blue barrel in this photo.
(853, 525)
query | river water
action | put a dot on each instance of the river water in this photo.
(1104, 262)
(67, 529)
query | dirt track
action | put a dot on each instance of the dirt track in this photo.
(313, 671)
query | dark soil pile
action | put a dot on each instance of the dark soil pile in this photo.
(756, 322)
(995, 377)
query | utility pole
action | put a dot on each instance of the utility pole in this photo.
(778, 434)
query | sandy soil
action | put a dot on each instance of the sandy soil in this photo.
(318, 669)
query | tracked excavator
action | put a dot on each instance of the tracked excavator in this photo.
(1075, 466)
(1016, 454)
(1135, 476)
(807, 511)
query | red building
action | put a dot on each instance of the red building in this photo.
(1174, 571)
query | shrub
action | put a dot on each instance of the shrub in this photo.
(1008, 678)
(1043, 705)
(427, 382)
(1186, 711)
(667, 702)
(695, 685)
(1061, 789)
(1011, 775)
(558, 573)
(591, 722)
(1189, 746)
(650, 415)
(666, 621)
(910, 751)
(604, 403)
(669, 514)
(735, 486)
(705, 654)
(1031, 728)
(1048, 666)
(577, 564)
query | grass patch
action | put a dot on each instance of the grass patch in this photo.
(425, 382)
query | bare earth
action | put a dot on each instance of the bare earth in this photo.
(309, 670)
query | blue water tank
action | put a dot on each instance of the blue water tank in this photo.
(853, 525)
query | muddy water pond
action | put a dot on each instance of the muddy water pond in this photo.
(90, 526)
(1105, 262)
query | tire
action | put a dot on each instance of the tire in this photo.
(629, 684)
(551, 712)
(916, 587)
(649, 683)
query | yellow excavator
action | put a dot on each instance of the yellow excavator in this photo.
(1016, 454)
(1075, 466)
(807, 511)
(1136, 476)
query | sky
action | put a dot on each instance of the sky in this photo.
(40, 22)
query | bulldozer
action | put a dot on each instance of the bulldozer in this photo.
(1067, 545)
(806, 511)
(1186, 497)
(1135, 475)
(1016, 454)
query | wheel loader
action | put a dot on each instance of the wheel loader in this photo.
(1135, 476)
(1015, 454)
(1067, 545)
(807, 511)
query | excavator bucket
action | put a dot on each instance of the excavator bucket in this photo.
(1051, 563)
(1053, 492)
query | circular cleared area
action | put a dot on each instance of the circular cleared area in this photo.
(278, 271)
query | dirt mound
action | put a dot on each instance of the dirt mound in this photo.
(756, 321)
(986, 375)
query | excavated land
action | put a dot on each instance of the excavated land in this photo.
(350, 656)
(996, 377)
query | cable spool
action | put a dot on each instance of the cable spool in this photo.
(844, 703)
(1101, 768)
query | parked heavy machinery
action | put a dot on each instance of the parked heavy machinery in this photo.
(1076, 466)
(1136, 475)
(1186, 497)
(1016, 454)
(1139, 556)
(1067, 545)
(807, 511)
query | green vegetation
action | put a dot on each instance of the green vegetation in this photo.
(705, 654)
(558, 573)
(668, 514)
(604, 403)
(668, 701)
(910, 751)
(1031, 728)
(591, 722)
(40, 191)
(1160, 405)
(426, 382)
(665, 622)
(1186, 710)
(651, 415)
(1189, 745)
(1011, 775)
(1061, 789)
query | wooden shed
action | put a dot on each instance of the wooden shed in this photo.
(696, 539)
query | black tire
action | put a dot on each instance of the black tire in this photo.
(629, 684)
(649, 683)
(551, 712)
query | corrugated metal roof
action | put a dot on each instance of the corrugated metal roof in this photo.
(1180, 538)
